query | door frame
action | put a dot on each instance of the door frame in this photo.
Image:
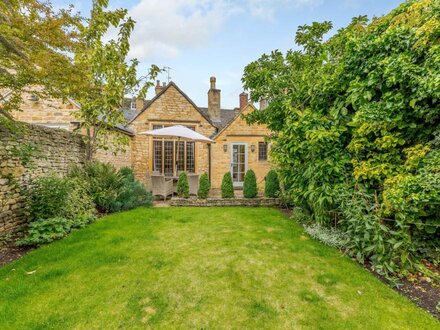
(246, 161)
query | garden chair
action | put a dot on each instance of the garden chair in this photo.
(193, 182)
(161, 186)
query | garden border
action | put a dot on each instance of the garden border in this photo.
(212, 202)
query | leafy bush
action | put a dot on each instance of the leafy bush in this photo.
(131, 194)
(51, 197)
(272, 187)
(227, 186)
(110, 189)
(44, 231)
(103, 183)
(356, 131)
(250, 189)
(204, 186)
(328, 235)
(183, 186)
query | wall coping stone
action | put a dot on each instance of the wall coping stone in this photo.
(212, 202)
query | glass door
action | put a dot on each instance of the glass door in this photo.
(238, 163)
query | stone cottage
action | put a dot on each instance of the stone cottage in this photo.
(237, 148)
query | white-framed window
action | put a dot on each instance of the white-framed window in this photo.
(166, 153)
(133, 104)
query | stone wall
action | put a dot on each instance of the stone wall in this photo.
(26, 155)
(170, 108)
(239, 132)
(268, 202)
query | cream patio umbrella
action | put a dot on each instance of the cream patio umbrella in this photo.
(179, 132)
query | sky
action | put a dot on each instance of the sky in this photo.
(198, 39)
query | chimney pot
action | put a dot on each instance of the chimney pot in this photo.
(244, 100)
(212, 80)
(158, 88)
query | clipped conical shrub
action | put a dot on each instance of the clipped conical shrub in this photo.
(272, 187)
(227, 186)
(250, 189)
(183, 186)
(204, 186)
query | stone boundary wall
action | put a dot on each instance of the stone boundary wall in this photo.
(225, 202)
(26, 155)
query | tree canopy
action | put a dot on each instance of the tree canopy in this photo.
(357, 117)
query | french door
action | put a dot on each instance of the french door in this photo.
(239, 163)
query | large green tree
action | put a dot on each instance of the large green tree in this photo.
(35, 41)
(105, 75)
(355, 120)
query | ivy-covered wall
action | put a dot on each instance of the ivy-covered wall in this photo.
(25, 154)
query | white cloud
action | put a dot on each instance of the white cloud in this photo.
(266, 9)
(164, 28)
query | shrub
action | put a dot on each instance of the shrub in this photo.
(227, 186)
(103, 183)
(183, 186)
(132, 193)
(328, 235)
(44, 231)
(204, 186)
(272, 187)
(112, 190)
(250, 189)
(52, 197)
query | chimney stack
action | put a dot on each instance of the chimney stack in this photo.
(214, 101)
(244, 100)
(263, 104)
(158, 87)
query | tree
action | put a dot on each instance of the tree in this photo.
(272, 187)
(227, 186)
(204, 186)
(250, 189)
(355, 120)
(183, 186)
(34, 43)
(104, 76)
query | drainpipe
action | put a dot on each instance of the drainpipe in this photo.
(209, 162)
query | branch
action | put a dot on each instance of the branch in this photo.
(12, 48)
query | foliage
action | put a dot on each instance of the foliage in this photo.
(227, 186)
(183, 186)
(355, 122)
(105, 76)
(328, 235)
(112, 190)
(43, 231)
(132, 193)
(272, 186)
(35, 41)
(204, 186)
(102, 180)
(51, 196)
(27, 153)
(250, 189)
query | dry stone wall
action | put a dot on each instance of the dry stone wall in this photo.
(25, 155)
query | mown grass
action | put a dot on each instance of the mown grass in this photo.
(198, 268)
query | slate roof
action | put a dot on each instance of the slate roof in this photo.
(226, 115)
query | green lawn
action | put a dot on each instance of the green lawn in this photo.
(197, 268)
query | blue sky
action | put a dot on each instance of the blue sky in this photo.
(201, 38)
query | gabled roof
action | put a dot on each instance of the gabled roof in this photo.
(237, 114)
(161, 93)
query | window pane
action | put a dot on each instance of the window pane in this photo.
(180, 156)
(168, 158)
(157, 156)
(190, 157)
(262, 151)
